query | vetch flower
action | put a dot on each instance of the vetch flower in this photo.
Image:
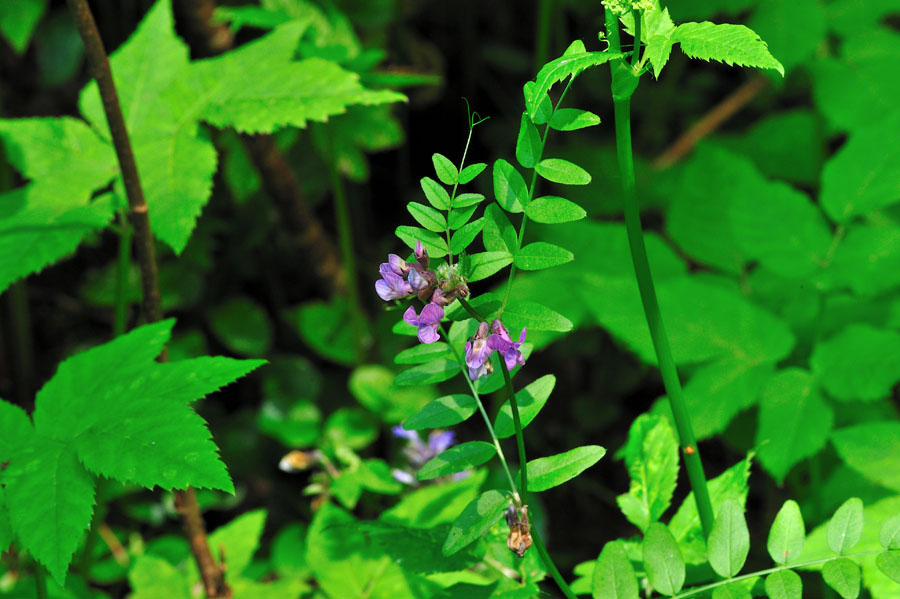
(421, 254)
(419, 453)
(508, 348)
(395, 264)
(392, 286)
(427, 321)
(478, 353)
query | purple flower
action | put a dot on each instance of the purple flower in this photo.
(427, 321)
(509, 349)
(395, 264)
(421, 254)
(419, 453)
(392, 286)
(417, 281)
(478, 353)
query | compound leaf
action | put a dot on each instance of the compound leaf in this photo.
(731, 44)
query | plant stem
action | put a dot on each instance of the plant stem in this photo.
(542, 35)
(185, 501)
(40, 581)
(517, 422)
(345, 243)
(462, 164)
(554, 571)
(123, 268)
(690, 451)
(23, 344)
(468, 308)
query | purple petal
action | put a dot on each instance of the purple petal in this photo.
(431, 314)
(512, 358)
(420, 250)
(522, 336)
(385, 268)
(477, 373)
(440, 441)
(427, 333)
(397, 264)
(403, 476)
(401, 432)
(417, 281)
(410, 316)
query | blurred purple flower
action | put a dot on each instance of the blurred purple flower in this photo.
(427, 321)
(418, 453)
(392, 286)
(478, 353)
(508, 348)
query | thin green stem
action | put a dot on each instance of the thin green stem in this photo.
(705, 588)
(487, 421)
(636, 52)
(468, 308)
(517, 422)
(690, 451)
(345, 242)
(554, 571)
(462, 164)
(123, 268)
(40, 581)
(521, 236)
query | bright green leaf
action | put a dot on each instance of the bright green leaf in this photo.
(784, 584)
(467, 199)
(662, 559)
(614, 577)
(240, 539)
(435, 244)
(534, 317)
(468, 174)
(731, 44)
(326, 326)
(553, 209)
(485, 264)
(889, 564)
(549, 472)
(651, 456)
(445, 169)
(509, 187)
(18, 20)
(860, 348)
(889, 535)
(867, 259)
(870, 449)
(843, 576)
(573, 62)
(528, 144)
(540, 255)
(539, 108)
(729, 540)
(530, 400)
(152, 577)
(423, 352)
(434, 371)
(435, 193)
(456, 459)
(498, 234)
(787, 534)
(562, 171)
(442, 412)
(475, 520)
(845, 526)
(460, 216)
(465, 235)
(572, 119)
(428, 217)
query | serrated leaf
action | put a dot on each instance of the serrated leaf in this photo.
(456, 459)
(562, 171)
(434, 243)
(435, 193)
(845, 526)
(47, 224)
(731, 44)
(460, 216)
(784, 584)
(889, 535)
(889, 564)
(794, 421)
(467, 199)
(785, 543)
(613, 576)
(869, 448)
(540, 255)
(465, 235)
(442, 412)
(423, 352)
(530, 400)
(50, 499)
(864, 174)
(468, 174)
(485, 264)
(569, 64)
(729, 540)
(15, 429)
(428, 217)
(553, 209)
(552, 471)
(498, 234)
(541, 110)
(528, 144)
(572, 119)
(444, 169)
(838, 361)
(843, 576)
(662, 560)
(434, 371)
(475, 520)
(509, 187)
(651, 456)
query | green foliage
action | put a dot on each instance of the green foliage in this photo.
(729, 542)
(549, 472)
(651, 457)
(477, 517)
(443, 411)
(456, 459)
(530, 400)
(613, 575)
(18, 19)
(731, 44)
(787, 534)
(662, 559)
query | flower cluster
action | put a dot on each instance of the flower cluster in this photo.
(621, 7)
(439, 289)
(487, 340)
(418, 453)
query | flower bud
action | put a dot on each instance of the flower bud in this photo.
(421, 254)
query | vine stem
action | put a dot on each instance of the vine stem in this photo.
(690, 451)
(213, 574)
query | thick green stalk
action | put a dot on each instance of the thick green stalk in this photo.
(690, 451)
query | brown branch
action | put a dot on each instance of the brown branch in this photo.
(278, 178)
(186, 501)
(711, 121)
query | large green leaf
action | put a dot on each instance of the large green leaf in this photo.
(784, 584)
(509, 187)
(859, 348)
(785, 543)
(731, 44)
(729, 540)
(613, 575)
(530, 400)
(475, 520)
(456, 459)
(867, 259)
(651, 456)
(864, 174)
(549, 472)
(871, 449)
(151, 577)
(843, 576)
(540, 255)
(846, 526)
(662, 560)
(794, 421)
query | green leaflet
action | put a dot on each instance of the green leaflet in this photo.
(613, 576)
(794, 421)
(662, 559)
(572, 119)
(889, 564)
(867, 260)
(445, 169)
(549, 472)
(843, 576)
(651, 456)
(534, 317)
(729, 540)
(870, 449)
(784, 584)
(731, 44)
(435, 193)
(889, 535)
(485, 264)
(509, 187)
(845, 527)
(562, 171)
(423, 352)
(465, 235)
(325, 327)
(151, 576)
(243, 326)
(540, 255)
(553, 209)
(428, 217)
(837, 362)
(456, 459)
(468, 174)
(498, 234)
(475, 520)
(441, 412)
(571, 63)
(530, 400)
(433, 371)
(785, 543)
(528, 144)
